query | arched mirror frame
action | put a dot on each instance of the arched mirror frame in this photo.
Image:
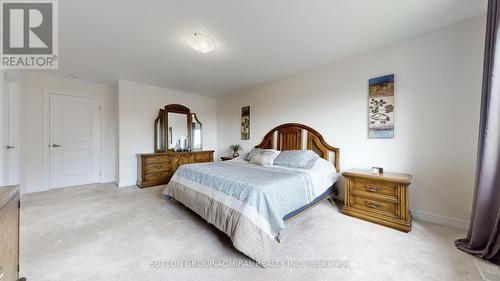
(181, 109)
(160, 142)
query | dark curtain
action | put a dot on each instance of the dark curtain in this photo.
(483, 237)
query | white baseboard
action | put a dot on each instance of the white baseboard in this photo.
(107, 180)
(44, 188)
(450, 222)
(113, 182)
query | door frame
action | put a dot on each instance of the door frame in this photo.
(46, 104)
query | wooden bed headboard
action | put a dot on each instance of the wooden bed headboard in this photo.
(289, 136)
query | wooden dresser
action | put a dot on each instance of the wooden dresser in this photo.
(157, 168)
(379, 198)
(9, 233)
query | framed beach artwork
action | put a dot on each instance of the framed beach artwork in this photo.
(245, 123)
(381, 107)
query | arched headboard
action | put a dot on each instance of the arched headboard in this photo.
(289, 136)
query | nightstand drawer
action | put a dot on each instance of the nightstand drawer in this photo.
(381, 207)
(369, 188)
(379, 198)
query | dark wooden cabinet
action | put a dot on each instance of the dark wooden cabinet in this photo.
(157, 168)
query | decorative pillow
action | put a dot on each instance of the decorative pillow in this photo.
(303, 159)
(273, 152)
(263, 159)
(257, 151)
(252, 153)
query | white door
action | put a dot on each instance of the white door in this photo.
(12, 116)
(74, 141)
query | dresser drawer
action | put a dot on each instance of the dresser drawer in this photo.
(155, 159)
(372, 189)
(378, 206)
(202, 157)
(156, 176)
(183, 159)
(156, 167)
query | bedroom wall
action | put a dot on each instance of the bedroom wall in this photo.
(138, 108)
(34, 85)
(437, 96)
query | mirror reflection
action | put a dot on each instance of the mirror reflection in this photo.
(159, 132)
(196, 132)
(177, 131)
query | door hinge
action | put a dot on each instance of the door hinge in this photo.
(17, 267)
(18, 204)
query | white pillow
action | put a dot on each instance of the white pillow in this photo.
(303, 159)
(257, 151)
(265, 158)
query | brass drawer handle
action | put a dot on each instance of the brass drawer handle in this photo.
(373, 188)
(373, 205)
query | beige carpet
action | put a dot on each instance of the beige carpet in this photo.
(101, 232)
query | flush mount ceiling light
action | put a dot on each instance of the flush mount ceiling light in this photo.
(201, 42)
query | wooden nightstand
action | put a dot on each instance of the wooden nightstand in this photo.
(379, 198)
(225, 158)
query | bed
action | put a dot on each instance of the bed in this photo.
(251, 203)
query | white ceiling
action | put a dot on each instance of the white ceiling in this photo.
(258, 40)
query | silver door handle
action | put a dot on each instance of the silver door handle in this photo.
(1, 272)
(10, 147)
(56, 145)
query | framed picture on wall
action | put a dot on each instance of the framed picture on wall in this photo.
(381, 107)
(245, 123)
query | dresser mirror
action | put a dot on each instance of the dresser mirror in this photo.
(196, 132)
(160, 132)
(178, 141)
(178, 127)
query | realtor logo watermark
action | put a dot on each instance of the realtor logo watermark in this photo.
(29, 34)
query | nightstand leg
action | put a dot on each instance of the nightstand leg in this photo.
(331, 200)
